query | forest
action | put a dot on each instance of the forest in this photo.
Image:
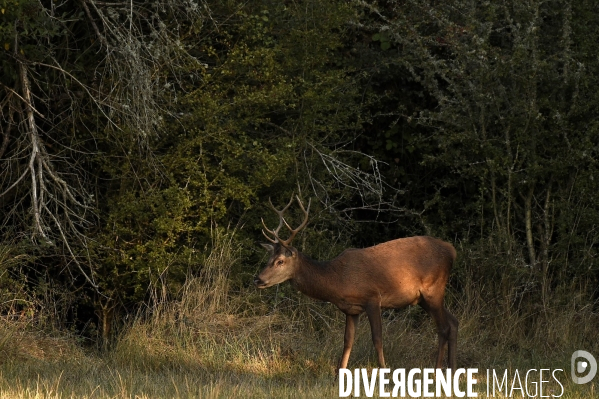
(141, 142)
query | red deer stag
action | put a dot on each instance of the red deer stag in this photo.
(394, 274)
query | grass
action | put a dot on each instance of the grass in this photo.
(95, 377)
(213, 343)
(225, 355)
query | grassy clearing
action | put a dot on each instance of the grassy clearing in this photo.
(212, 343)
(230, 356)
(255, 358)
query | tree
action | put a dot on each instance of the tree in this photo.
(79, 78)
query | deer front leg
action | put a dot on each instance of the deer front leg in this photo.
(376, 328)
(351, 324)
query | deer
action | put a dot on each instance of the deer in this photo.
(391, 275)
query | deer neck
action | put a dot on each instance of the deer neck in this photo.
(314, 278)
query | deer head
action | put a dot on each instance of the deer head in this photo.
(283, 259)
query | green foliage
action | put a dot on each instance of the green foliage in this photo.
(234, 138)
(501, 127)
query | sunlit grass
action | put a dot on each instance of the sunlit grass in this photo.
(256, 357)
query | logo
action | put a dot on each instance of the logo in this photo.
(579, 366)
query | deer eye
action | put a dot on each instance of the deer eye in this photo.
(279, 262)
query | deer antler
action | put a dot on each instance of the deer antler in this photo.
(301, 226)
(282, 221)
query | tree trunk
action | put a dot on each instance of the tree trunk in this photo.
(528, 221)
(105, 315)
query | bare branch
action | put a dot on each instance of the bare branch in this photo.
(24, 100)
(93, 23)
(15, 183)
(26, 87)
(65, 240)
(6, 133)
(63, 184)
(367, 184)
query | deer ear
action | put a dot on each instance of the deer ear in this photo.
(268, 247)
(288, 253)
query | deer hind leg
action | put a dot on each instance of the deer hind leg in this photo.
(444, 328)
(453, 340)
(351, 324)
(376, 328)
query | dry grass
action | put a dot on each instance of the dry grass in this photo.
(265, 360)
(231, 356)
(212, 343)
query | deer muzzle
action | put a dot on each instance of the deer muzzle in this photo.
(259, 283)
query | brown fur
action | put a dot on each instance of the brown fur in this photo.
(394, 274)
